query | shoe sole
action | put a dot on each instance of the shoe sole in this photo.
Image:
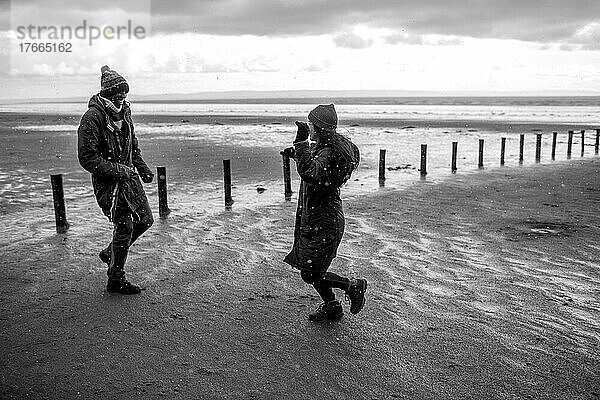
(331, 318)
(126, 293)
(360, 307)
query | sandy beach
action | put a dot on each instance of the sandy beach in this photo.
(471, 211)
(482, 285)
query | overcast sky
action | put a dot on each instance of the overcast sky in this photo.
(221, 45)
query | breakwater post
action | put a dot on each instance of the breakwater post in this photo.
(554, 135)
(538, 147)
(423, 159)
(163, 205)
(227, 182)
(597, 141)
(454, 151)
(287, 179)
(480, 164)
(521, 145)
(582, 143)
(381, 167)
(502, 150)
(570, 144)
(58, 196)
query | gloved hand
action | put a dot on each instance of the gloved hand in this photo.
(147, 177)
(303, 131)
(289, 151)
(124, 172)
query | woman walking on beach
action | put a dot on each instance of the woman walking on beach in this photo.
(324, 167)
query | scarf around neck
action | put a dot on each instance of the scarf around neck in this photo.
(114, 112)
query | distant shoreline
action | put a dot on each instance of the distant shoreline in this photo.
(576, 101)
(391, 123)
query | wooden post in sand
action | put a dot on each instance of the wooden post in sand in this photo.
(163, 207)
(597, 141)
(554, 135)
(582, 143)
(502, 150)
(570, 144)
(454, 151)
(423, 159)
(480, 164)
(227, 182)
(287, 180)
(538, 148)
(381, 167)
(521, 145)
(58, 195)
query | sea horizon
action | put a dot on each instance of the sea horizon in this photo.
(350, 97)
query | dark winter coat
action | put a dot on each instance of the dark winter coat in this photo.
(320, 216)
(109, 156)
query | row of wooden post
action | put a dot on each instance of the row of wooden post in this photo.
(480, 164)
(163, 209)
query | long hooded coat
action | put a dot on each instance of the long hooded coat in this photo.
(108, 154)
(320, 216)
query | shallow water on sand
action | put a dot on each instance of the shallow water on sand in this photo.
(193, 155)
(560, 111)
(40, 145)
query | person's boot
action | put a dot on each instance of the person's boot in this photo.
(104, 255)
(327, 311)
(356, 294)
(122, 286)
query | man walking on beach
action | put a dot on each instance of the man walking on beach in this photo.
(108, 149)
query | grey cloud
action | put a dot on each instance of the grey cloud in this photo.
(73, 12)
(405, 38)
(189, 63)
(449, 42)
(352, 41)
(587, 39)
(412, 39)
(543, 21)
(567, 47)
(532, 20)
(590, 46)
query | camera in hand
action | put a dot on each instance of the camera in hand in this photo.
(288, 151)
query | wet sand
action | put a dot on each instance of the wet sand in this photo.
(509, 127)
(192, 149)
(485, 285)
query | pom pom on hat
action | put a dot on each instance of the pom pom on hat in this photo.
(324, 117)
(111, 82)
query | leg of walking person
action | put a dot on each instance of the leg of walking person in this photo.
(122, 234)
(323, 284)
(119, 247)
(333, 280)
(330, 308)
(142, 221)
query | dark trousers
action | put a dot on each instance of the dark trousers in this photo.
(128, 227)
(323, 282)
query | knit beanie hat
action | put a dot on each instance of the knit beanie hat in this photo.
(112, 83)
(324, 117)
